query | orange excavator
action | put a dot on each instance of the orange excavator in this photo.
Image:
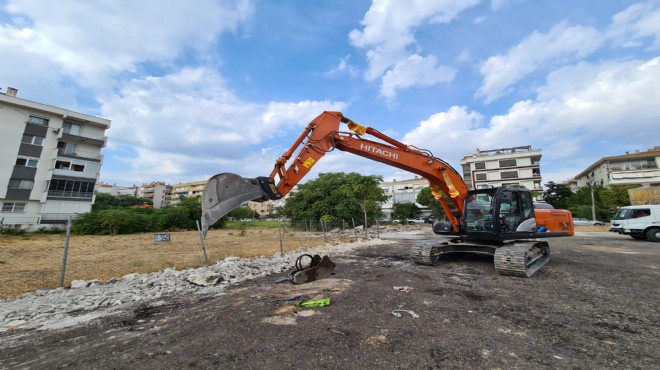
(498, 221)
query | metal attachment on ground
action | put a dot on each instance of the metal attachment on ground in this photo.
(318, 268)
(425, 254)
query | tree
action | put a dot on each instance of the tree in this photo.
(346, 197)
(557, 195)
(404, 211)
(105, 201)
(426, 198)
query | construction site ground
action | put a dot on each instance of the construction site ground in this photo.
(595, 305)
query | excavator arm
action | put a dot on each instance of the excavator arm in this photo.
(227, 191)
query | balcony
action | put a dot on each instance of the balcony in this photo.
(77, 174)
(87, 156)
(70, 194)
(80, 136)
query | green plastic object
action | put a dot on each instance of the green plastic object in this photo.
(314, 303)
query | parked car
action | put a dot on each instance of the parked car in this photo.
(417, 220)
(586, 222)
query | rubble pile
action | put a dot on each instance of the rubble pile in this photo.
(87, 300)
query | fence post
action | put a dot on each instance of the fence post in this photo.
(325, 237)
(66, 251)
(279, 227)
(201, 238)
(354, 229)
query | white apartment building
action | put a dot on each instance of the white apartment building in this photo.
(638, 168)
(114, 189)
(159, 193)
(403, 191)
(49, 163)
(187, 189)
(505, 166)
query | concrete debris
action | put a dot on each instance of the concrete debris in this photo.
(77, 284)
(205, 279)
(56, 308)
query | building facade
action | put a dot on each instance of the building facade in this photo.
(638, 168)
(403, 191)
(114, 189)
(50, 162)
(187, 189)
(501, 167)
(159, 193)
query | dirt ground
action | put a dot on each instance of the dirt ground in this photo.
(595, 305)
(34, 261)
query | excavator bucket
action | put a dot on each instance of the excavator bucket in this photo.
(223, 193)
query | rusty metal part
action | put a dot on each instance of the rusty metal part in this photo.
(522, 258)
(319, 268)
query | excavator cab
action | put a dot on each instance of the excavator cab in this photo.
(498, 214)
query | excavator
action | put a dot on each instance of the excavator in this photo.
(499, 221)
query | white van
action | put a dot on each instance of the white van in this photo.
(640, 222)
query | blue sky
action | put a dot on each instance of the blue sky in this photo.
(198, 88)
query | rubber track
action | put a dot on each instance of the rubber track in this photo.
(522, 258)
(425, 254)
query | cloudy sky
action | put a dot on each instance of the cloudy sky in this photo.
(208, 86)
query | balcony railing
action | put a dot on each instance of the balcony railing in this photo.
(70, 194)
(19, 220)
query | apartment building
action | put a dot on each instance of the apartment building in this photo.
(403, 191)
(114, 189)
(505, 166)
(49, 163)
(187, 189)
(637, 168)
(159, 193)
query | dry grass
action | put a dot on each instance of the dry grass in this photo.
(33, 261)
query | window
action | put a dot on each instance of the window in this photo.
(34, 140)
(38, 120)
(72, 128)
(508, 163)
(481, 176)
(479, 165)
(20, 184)
(66, 148)
(509, 174)
(13, 207)
(27, 162)
(62, 165)
(71, 188)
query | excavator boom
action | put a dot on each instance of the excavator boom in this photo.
(227, 191)
(497, 221)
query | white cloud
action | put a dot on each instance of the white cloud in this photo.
(388, 32)
(91, 40)
(581, 109)
(449, 135)
(415, 71)
(638, 21)
(344, 67)
(562, 44)
(502, 4)
(180, 121)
